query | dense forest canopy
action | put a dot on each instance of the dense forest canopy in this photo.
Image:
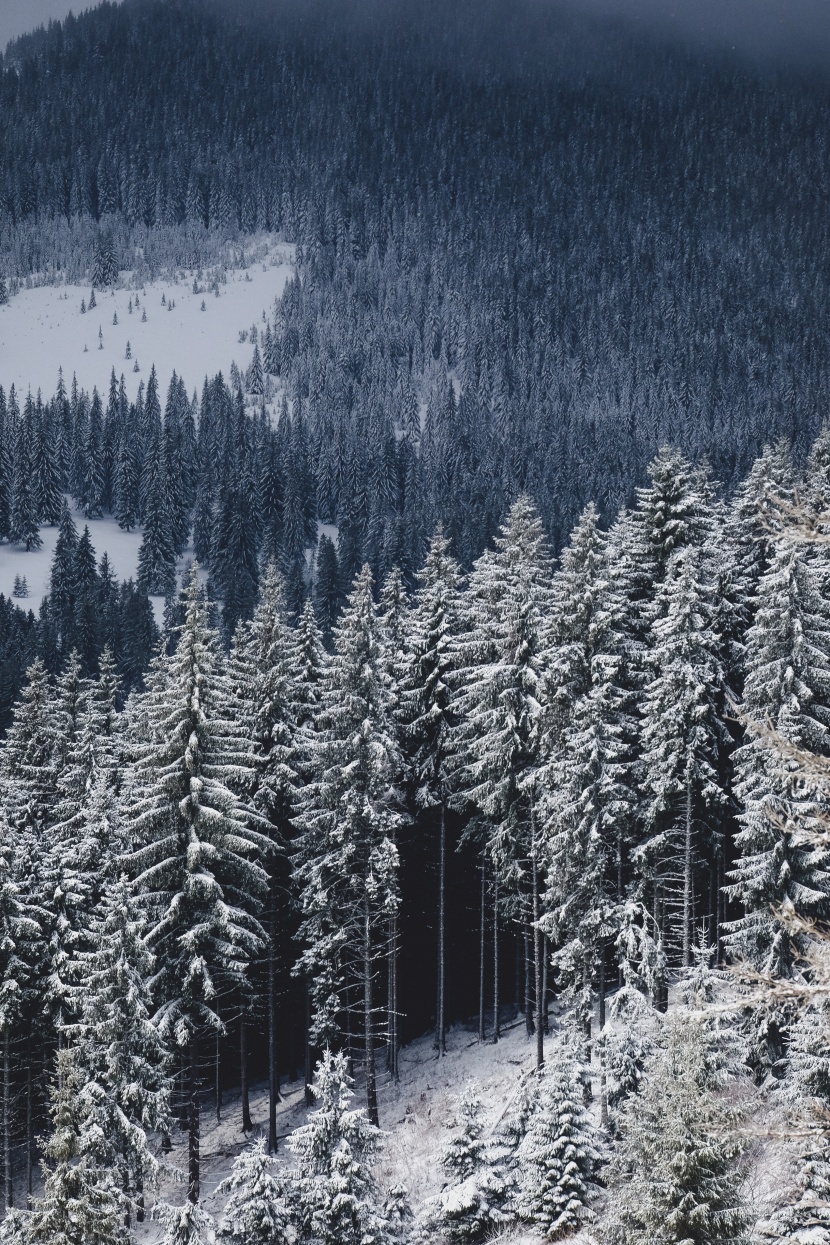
(606, 244)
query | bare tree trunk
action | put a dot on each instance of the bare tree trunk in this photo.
(528, 1006)
(247, 1126)
(440, 1024)
(393, 1001)
(496, 1016)
(603, 1087)
(545, 958)
(309, 1097)
(482, 1033)
(588, 1088)
(371, 1080)
(720, 912)
(537, 964)
(687, 881)
(217, 1078)
(273, 1074)
(194, 1122)
(7, 1140)
(29, 1132)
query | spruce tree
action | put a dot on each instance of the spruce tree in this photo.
(678, 1176)
(347, 862)
(196, 845)
(257, 1211)
(336, 1201)
(557, 1160)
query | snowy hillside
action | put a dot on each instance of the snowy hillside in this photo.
(193, 334)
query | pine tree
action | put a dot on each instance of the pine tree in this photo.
(186, 1225)
(678, 1176)
(500, 676)
(557, 1159)
(682, 735)
(80, 1202)
(121, 1050)
(257, 1211)
(336, 1201)
(347, 861)
(787, 688)
(428, 720)
(472, 1204)
(196, 844)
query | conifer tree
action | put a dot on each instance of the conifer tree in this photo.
(787, 688)
(257, 1211)
(682, 735)
(678, 1176)
(557, 1159)
(336, 1201)
(195, 845)
(472, 1204)
(500, 676)
(426, 710)
(347, 862)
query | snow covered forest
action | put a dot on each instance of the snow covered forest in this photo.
(489, 697)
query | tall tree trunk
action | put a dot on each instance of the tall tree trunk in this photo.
(247, 1126)
(217, 1072)
(537, 967)
(7, 1140)
(309, 1097)
(528, 1005)
(440, 1025)
(545, 1001)
(603, 1087)
(273, 1078)
(371, 1080)
(393, 999)
(29, 1138)
(482, 1033)
(496, 1016)
(194, 1122)
(687, 880)
(720, 912)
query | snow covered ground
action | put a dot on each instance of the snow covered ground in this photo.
(42, 329)
(414, 1115)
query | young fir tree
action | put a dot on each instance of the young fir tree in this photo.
(335, 1198)
(257, 1210)
(196, 844)
(557, 1159)
(27, 764)
(500, 678)
(347, 862)
(677, 1176)
(428, 722)
(121, 1049)
(186, 1225)
(787, 688)
(80, 1203)
(472, 1204)
(682, 737)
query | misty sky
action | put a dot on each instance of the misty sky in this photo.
(19, 16)
(772, 29)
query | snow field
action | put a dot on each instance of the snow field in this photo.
(42, 329)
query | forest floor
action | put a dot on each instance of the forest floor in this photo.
(415, 1115)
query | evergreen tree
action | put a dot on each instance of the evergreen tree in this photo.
(472, 1205)
(557, 1159)
(336, 1201)
(347, 862)
(678, 1175)
(256, 1212)
(195, 845)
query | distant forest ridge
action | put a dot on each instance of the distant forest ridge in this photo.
(531, 250)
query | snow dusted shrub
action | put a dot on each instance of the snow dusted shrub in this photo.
(256, 1212)
(335, 1198)
(472, 1204)
(557, 1158)
(186, 1225)
(627, 1042)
